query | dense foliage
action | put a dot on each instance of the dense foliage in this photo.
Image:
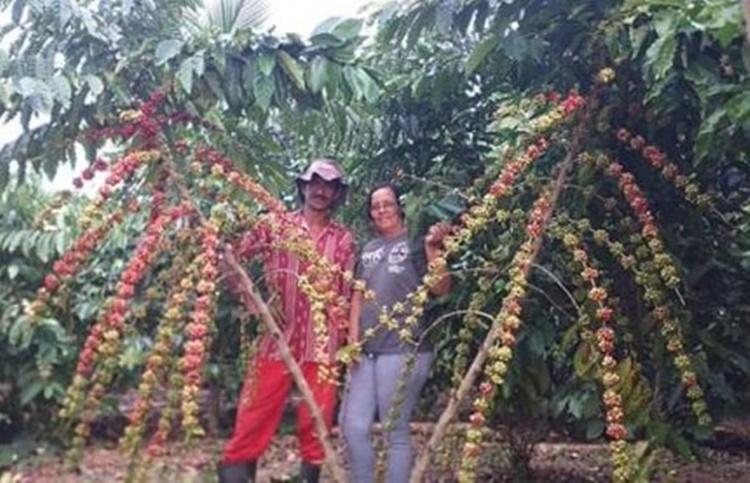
(445, 99)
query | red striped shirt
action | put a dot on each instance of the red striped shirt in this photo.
(290, 306)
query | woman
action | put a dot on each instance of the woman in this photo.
(391, 268)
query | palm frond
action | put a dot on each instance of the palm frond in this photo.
(232, 16)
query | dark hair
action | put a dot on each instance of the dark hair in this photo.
(396, 194)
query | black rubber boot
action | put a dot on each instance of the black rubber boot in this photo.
(309, 473)
(237, 473)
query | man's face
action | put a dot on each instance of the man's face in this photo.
(319, 193)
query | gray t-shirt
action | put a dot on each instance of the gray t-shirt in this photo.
(392, 268)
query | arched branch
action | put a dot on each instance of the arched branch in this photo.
(460, 393)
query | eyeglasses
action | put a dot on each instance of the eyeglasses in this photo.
(385, 205)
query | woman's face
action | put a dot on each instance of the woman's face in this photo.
(385, 212)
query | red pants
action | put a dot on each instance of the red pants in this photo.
(261, 407)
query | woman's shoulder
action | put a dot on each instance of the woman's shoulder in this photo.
(372, 243)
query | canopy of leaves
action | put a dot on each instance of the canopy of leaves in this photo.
(69, 67)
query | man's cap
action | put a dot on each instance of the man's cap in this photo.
(327, 169)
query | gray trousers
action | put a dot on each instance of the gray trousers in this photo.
(371, 387)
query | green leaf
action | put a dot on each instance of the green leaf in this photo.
(44, 247)
(44, 66)
(29, 243)
(738, 107)
(91, 25)
(185, 75)
(362, 86)
(4, 175)
(479, 53)
(660, 56)
(266, 63)
(370, 88)
(4, 62)
(707, 133)
(292, 69)
(343, 55)
(263, 90)
(31, 391)
(61, 90)
(444, 17)
(54, 391)
(65, 11)
(347, 29)
(28, 86)
(96, 86)
(723, 21)
(584, 360)
(318, 74)
(638, 36)
(326, 26)
(21, 333)
(244, 15)
(87, 311)
(199, 62)
(419, 24)
(233, 83)
(575, 406)
(594, 429)
(49, 166)
(12, 271)
(62, 242)
(193, 65)
(166, 50)
(677, 441)
(17, 11)
(326, 40)
(16, 240)
(570, 336)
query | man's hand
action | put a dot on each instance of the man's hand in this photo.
(349, 354)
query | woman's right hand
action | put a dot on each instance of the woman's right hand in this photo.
(435, 236)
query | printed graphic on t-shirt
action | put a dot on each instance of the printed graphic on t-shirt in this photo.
(372, 258)
(398, 254)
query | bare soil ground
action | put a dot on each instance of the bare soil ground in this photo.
(551, 461)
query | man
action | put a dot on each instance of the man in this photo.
(321, 189)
